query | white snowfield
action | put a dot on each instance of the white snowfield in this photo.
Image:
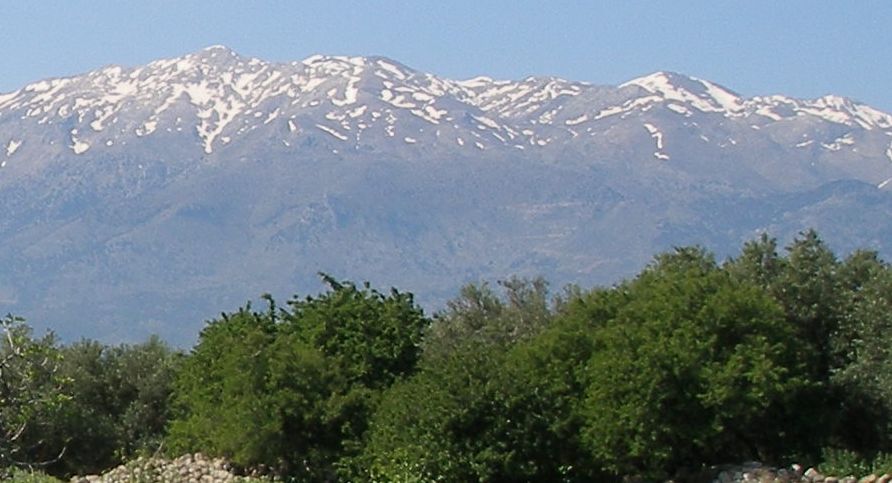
(220, 96)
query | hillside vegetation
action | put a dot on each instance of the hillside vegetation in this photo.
(776, 355)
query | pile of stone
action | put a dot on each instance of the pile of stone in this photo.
(190, 468)
(196, 468)
(757, 473)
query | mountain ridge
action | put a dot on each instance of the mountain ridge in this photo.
(222, 85)
(149, 198)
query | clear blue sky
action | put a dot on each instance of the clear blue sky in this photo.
(796, 47)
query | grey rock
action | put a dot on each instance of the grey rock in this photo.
(813, 475)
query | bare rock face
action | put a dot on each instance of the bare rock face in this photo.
(148, 199)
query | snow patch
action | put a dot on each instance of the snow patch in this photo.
(311, 84)
(726, 100)
(838, 143)
(422, 97)
(479, 81)
(272, 116)
(486, 122)
(547, 117)
(610, 111)
(579, 120)
(399, 101)
(354, 113)
(409, 140)
(392, 69)
(658, 137)
(766, 111)
(678, 109)
(7, 98)
(332, 132)
(12, 147)
(429, 114)
(78, 146)
(147, 128)
(434, 113)
(350, 93)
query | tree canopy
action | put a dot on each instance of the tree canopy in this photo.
(778, 355)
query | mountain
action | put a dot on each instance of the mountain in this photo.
(148, 199)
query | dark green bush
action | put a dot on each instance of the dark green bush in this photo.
(294, 389)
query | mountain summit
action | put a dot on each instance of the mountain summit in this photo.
(147, 199)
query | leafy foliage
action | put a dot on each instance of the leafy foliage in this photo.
(688, 370)
(118, 403)
(32, 392)
(490, 402)
(293, 389)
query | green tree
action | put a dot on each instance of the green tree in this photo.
(812, 296)
(479, 313)
(118, 406)
(759, 264)
(863, 342)
(694, 368)
(494, 399)
(431, 427)
(222, 405)
(294, 388)
(32, 392)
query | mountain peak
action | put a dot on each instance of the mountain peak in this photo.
(213, 53)
(702, 94)
(216, 48)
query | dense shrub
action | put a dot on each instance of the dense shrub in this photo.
(693, 368)
(293, 389)
(32, 393)
(118, 404)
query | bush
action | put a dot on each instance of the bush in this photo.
(494, 399)
(294, 389)
(118, 404)
(29, 476)
(32, 393)
(694, 368)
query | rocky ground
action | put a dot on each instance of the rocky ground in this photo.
(758, 473)
(191, 468)
(197, 468)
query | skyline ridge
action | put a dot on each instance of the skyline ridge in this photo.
(480, 76)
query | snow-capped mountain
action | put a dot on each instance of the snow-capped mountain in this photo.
(146, 199)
